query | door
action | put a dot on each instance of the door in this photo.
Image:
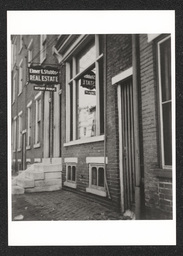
(126, 140)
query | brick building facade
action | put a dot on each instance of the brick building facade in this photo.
(112, 119)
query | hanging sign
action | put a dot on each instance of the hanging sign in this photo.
(40, 75)
(44, 88)
(88, 80)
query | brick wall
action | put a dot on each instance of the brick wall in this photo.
(157, 190)
(119, 58)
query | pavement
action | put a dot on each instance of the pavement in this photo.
(59, 205)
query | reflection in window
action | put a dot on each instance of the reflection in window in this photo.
(86, 57)
(166, 102)
(87, 105)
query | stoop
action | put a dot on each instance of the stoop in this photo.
(39, 177)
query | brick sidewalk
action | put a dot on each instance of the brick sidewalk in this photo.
(60, 205)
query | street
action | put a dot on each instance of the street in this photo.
(59, 205)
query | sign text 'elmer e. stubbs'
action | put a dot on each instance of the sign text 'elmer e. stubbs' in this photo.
(39, 75)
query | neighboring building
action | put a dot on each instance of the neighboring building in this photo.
(112, 119)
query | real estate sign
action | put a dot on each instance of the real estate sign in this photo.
(40, 75)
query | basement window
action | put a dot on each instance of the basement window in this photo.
(70, 175)
(96, 180)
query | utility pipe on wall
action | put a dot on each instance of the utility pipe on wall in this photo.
(136, 88)
(105, 114)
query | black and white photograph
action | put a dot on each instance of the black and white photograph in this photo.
(91, 124)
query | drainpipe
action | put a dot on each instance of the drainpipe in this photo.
(105, 114)
(136, 88)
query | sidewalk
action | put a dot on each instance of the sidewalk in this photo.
(59, 205)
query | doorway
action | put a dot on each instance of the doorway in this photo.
(126, 144)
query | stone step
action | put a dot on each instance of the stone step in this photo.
(48, 167)
(43, 188)
(35, 175)
(16, 190)
(51, 182)
(25, 182)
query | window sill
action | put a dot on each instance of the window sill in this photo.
(38, 145)
(70, 184)
(19, 93)
(84, 141)
(28, 147)
(96, 192)
(41, 61)
(163, 173)
(19, 149)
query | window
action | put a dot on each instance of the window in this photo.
(70, 175)
(14, 88)
(19, 131)
(164, 58)
(30, 51)
(29, 121)
(42, 48)
(14, 133)
(96, 179)
(14, 50)
(85, 105)
(20, 82)
(38, 122)
(20, 43)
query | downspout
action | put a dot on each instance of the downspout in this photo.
(105, 114)
(136, 88)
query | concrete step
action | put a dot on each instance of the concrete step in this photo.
(51, 182)
(43, 188)
(16, 190)
(35, 175)
(25, 182)
(48, 167)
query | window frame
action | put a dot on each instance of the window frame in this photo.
(20, 131)
(37, 137)
(94, 189)
(20, 77)
(30, 51)
(71, 80)
(20, 43)
(163, 165)
(43, 39)
(14, 87)
(29, 126)
(14, 134)
(69, 182)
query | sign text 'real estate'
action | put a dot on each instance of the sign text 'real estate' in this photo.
(38, 75)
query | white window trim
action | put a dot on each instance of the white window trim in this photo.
(96, 160)
(29, 107)
(37, 98)
(160, 104)
(19, 132)
(100, 191)
(123, 75)
(69, 183)
(85, 140)
(71, 160)
(37, 160)
(21, 44)
(68, 80)
(42, 42)
(30, 48)
(14, 88)
(14, 133)
(20, 79)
